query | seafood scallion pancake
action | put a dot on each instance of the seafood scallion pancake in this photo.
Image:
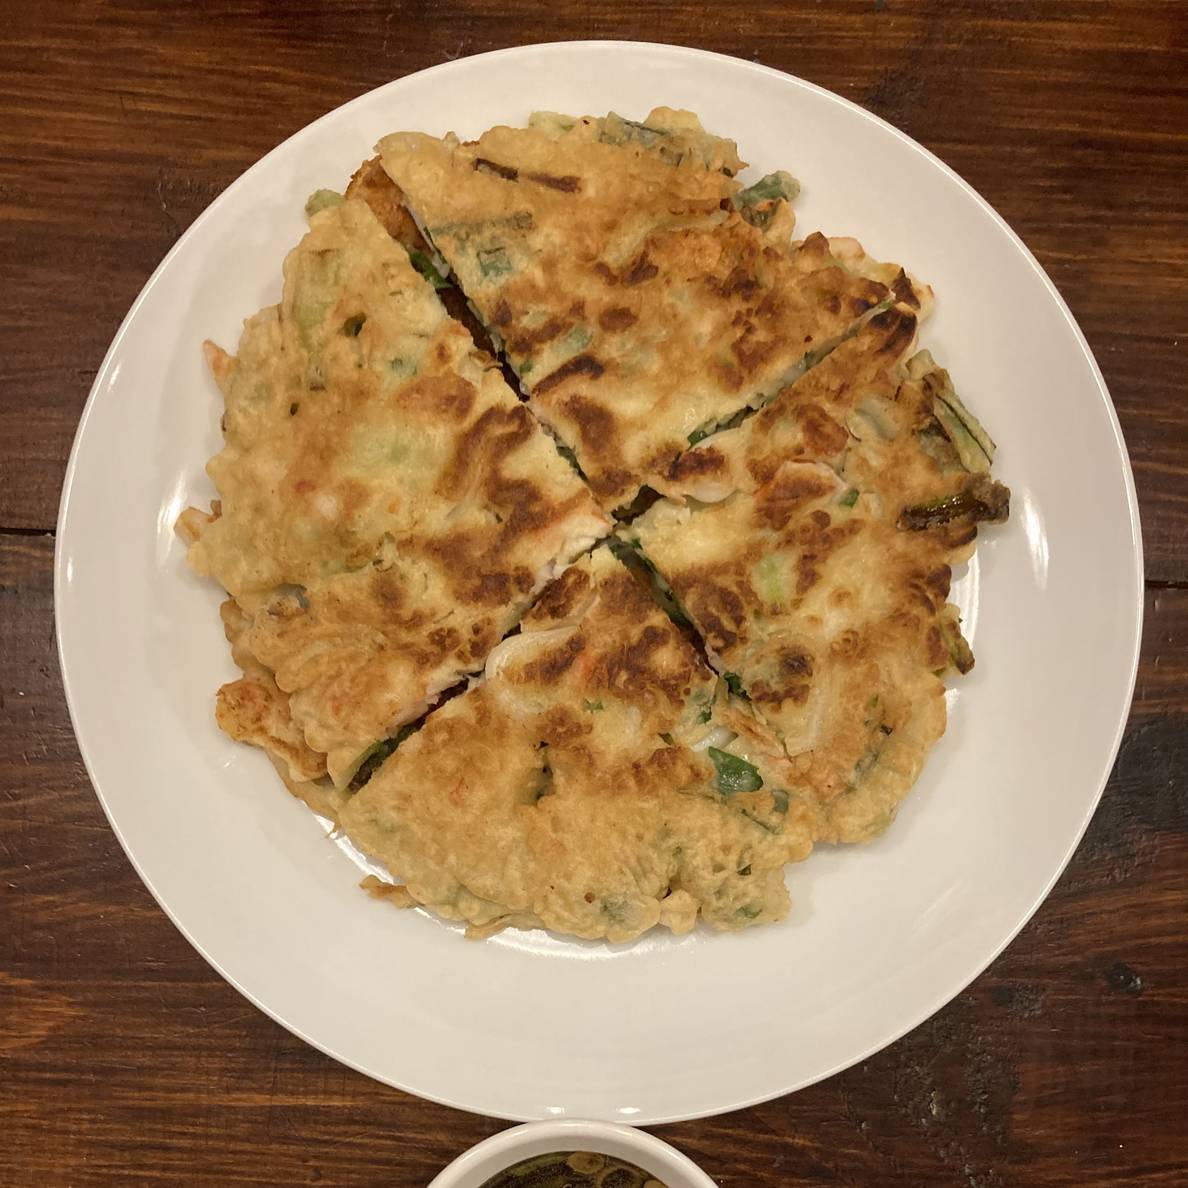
(387, 507)
(599, 780)
(532, 715)
(640, 293)
(813, 552)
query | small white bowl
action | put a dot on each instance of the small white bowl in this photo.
(504, 1150)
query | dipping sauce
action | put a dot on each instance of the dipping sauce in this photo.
(573, 1169)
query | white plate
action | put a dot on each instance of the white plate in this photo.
(529, 1025)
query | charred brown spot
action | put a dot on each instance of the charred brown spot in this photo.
(480, 646)
(503, 314)
(739, 283)
(697, 463)
(492, 437)
(823, 436)
(507, 172)
(901, 286)
(717, 609)
(817, 535)
(938, 653)
(769, 694)
(866, 301)
(473, 560)
(561, 598)
(560, 726)
(846, 644)
(919, 593)
(569, 184)
(524, 342)
(444, 639)
(555, 663)
(614, 483)
(450, 396)
(585, 365)
(750, 349)
(637, 663)
(794, 663)
(492, 588)
(938, 582)
(617, 318)
(389, 589)
(641, 270)
(791, 682)
(806, 573)
(833, 304)
(897, 328)
(763, 469)
(625, 596)
(606, 272)
(595, 425)
(776, 503)
(525, 508)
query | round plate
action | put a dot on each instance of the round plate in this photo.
(528, 1025)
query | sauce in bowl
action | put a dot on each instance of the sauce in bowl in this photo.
(573, 1169)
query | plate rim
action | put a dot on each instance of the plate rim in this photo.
(936, 1001)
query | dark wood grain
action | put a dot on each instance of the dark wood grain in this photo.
(1064, 1063)
(123, 1058)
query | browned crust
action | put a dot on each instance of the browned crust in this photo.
(387, 203)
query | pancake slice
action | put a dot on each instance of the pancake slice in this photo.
(641, 295)
(813, 552)
(598, 781)
(807, 421)
(388, 508)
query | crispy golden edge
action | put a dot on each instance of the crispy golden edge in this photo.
(255, 710)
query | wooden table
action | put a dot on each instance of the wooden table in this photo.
(123, 1057)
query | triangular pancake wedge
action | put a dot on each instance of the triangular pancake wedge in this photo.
(598, 781)
(641, 295)
(388, 508)
(813, 551)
